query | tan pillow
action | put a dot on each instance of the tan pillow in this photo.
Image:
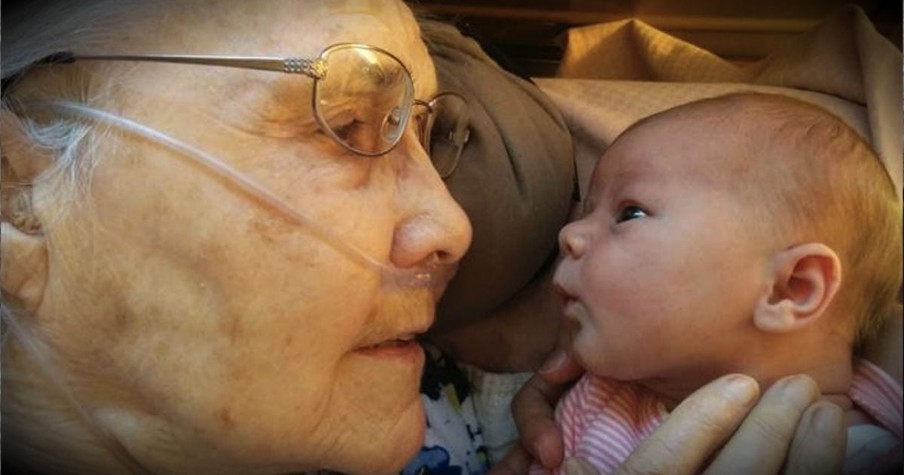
(843, 64)
(598, 111)
(514, 180)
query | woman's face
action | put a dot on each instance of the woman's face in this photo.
(182, 304)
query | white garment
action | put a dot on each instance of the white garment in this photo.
(492, 394)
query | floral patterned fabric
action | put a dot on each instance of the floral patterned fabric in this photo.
(454, 441)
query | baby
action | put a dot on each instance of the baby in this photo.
(748, 233)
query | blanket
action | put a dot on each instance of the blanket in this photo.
(613, 74)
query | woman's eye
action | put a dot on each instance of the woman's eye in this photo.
(342, 121)
(345, 131)
(631, 212)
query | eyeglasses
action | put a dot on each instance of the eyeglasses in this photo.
(363, 98)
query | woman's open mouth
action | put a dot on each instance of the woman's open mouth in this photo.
(401, 346)
(395, 343)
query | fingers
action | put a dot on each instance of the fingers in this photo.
(560, 367)
(819, 443)
(574, 466)
(695, 428)
(516, 462)
(532, 409)
(761, 443)
(534, 406)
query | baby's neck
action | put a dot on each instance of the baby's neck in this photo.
(833, 375)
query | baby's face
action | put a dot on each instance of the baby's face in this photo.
(660, 275)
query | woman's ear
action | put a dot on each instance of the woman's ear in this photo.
(805, 279)
(24, 161)
(23, 247)
(23, 274)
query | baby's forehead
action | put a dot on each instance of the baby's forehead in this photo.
(735, 127)
(695, 144)
(725, 137)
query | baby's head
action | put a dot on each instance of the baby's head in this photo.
(809, 177)
(714, 223)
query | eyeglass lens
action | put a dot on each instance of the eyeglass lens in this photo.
(448, 133)
(364, 102)
(364, 99)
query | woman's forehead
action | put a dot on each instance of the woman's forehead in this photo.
(289, 28)
(281, 27)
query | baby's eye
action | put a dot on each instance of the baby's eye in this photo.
(631, 212)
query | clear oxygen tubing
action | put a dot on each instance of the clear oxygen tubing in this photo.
(429, 274)
(106, 438)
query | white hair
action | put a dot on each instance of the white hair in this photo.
(35, 30)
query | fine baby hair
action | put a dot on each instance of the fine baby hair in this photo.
(811, 177)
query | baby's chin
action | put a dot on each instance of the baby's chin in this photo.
(585, 349)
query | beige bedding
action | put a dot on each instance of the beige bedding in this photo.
(615, 73)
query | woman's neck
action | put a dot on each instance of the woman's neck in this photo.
(44, 432)
(47, 430)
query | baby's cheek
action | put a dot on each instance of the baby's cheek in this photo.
(589, 348)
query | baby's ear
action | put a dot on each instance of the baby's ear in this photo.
(805, 279)
(23, 249)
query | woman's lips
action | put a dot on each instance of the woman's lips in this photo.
(395, 342)
(402, 346)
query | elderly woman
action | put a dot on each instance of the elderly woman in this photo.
(216, 268)
(221, 236)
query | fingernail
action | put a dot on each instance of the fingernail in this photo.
(797, 389)
(828, 418)
(553, 363)
(741, 389)
(541, 454)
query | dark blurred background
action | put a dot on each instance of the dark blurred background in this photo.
(527, 32)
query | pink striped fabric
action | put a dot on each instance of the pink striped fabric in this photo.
(880, 396)
(603, 420)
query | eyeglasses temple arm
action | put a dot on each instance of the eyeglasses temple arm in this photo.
(314, 68)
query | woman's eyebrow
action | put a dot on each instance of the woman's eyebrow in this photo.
(276, 106)
(280, 89)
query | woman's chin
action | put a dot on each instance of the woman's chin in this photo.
(400, 454)
(387, 451)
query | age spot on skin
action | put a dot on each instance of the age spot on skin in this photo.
(235, 329)
(269, 229)
(225, 418)
(121, 319)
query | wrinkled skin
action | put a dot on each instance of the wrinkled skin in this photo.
(203, 329)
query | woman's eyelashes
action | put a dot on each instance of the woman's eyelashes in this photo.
(346, 130)
(629, 212)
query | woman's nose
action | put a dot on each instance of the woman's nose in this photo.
(573, 240)
(433, 226)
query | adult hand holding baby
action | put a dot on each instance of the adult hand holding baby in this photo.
(786, 425)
